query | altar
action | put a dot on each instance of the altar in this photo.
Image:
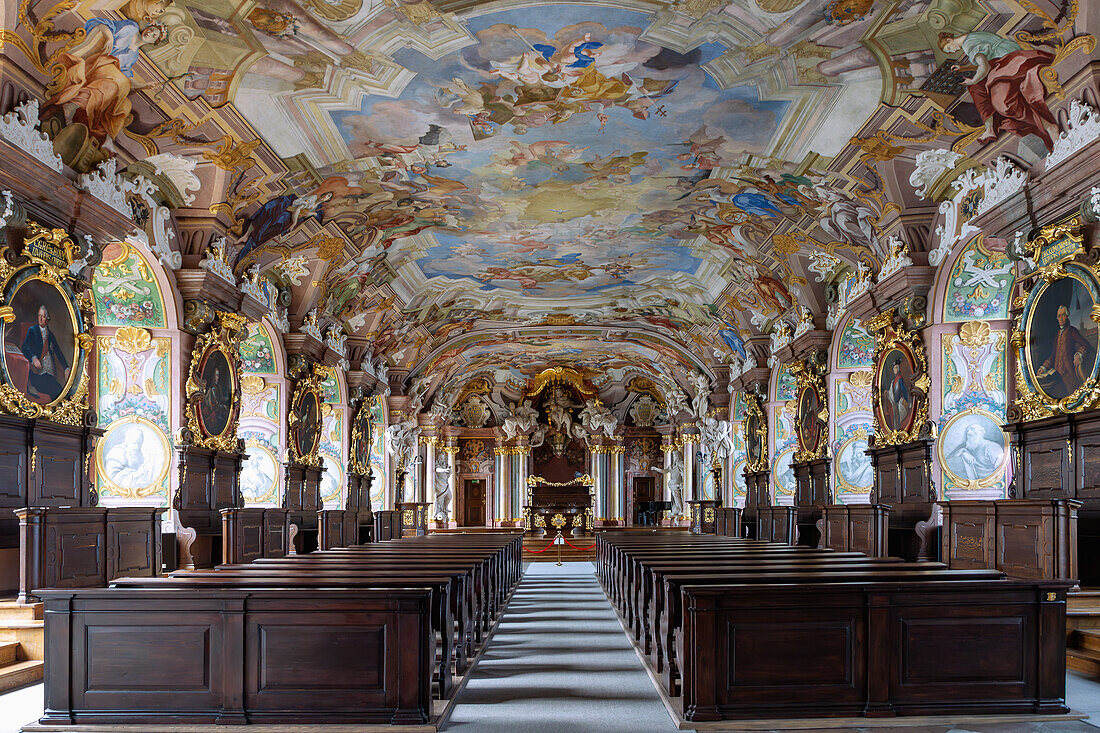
(564, 507)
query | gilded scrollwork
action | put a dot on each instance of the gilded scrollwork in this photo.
(755, 426)
(901, 384)
(302, 447)
(44, 379)
(1058, 364)
(812, 411)
(212, 400)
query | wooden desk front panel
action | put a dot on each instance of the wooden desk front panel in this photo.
(968, 534)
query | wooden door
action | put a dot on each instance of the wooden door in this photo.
(644, 490)
(473, 514)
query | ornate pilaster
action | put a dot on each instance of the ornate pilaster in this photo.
(693, 474)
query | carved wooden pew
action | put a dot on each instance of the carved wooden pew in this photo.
(873, 649)
(85, 547)
(249, 533)
(152, 657)
(1024, 538)
(669, 625)
(442, 621)
(391, 684)
(856, 527)
(692, 576)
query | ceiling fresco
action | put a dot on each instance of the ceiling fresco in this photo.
(467, 186)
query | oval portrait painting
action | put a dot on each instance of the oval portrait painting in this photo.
(853, 465)
(809, 424)
(1061, 338)
(972, 447)
(362, 442)
(40, 344)
(216, 406)
(309, 427)
(754, 446)
(895, 388)
(259, 474)
(133, 458)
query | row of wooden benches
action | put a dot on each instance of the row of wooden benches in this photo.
(733, 626)
(366, 634)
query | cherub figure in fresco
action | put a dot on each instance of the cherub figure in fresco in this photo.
(93, 81)
(1006, 86)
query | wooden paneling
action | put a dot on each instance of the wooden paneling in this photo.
(84, 547)
(1025, 538)
(704, 516)
(857, 528)
(777, 524)
(729, 521)
(42, 464)
(973, 648)
(249, 533)
(812, 492)
(142, 656)
(903, 481)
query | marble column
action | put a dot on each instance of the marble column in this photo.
(598, 462)
(503, 487)
(427, 483)
(522, 459)
(618, 489)
(692, 487)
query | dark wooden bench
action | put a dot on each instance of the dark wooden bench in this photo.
(382, 623)
(834, 633)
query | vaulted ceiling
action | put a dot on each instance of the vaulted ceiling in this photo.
(496, 187)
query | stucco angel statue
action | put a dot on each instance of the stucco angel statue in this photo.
(521, 419)
(717, 441)
(442, 491)
(597, 418)
(701, 385)
(675, 483)
(401, 442)
(558, 411)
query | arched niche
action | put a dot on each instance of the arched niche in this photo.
(333, 447)
(968, 358)
(781, 433)
(851, 359)
(136, 347)
(263, 401)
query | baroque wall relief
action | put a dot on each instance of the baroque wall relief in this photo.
(133, 401)
(261, 424)
(334, 444)
(971, 447)
(851, 379)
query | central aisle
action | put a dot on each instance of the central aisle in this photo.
(559, 661)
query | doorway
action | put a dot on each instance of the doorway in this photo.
(473, 504)
(644, 492)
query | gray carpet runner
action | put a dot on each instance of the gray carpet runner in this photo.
(559, 661)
